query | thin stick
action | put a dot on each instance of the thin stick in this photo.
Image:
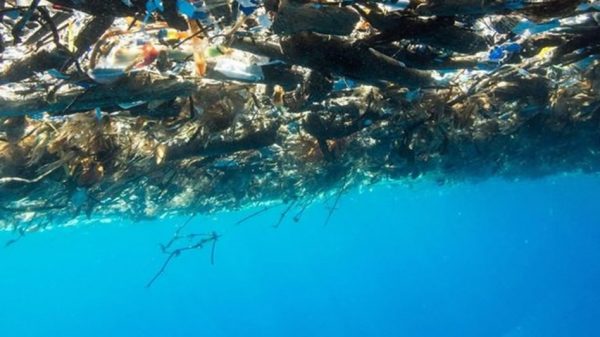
(7, 180)
(176, 236)
(264, 209)
(45, 15)
(335, 203)
(284, 213)
(13, 241)
(75, 100)
(298, 215)
(212, 250)
(163, 267)
(133, 22)
(202, 30)
(198, 245)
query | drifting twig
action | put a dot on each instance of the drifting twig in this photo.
(212, 251)
(8, 180)
(24, 228)
(175, 253)
(284, 213)
(298, 215)
(264, 209)
(46, 20)
(176, 235)
(75, 100)
(163, 267)
(334, 207)
(11, 242)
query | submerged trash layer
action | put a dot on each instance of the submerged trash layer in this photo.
(208, 106)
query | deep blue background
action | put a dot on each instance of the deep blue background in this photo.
(497, 258)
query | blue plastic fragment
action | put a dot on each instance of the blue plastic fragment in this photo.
(413, 95)
(496, 54)
(79, 197)
(98, 113)
(162, 34)
(13, 14)
(193, 10)
(248, 6)
(36, 116)
(512, 47)
(153, 5)
(514, 4)
(247, 10)
(343, 83)
(293, 127)
(267, 152)
(106, 75)
(535, 28)
(225, 163)
(264, 21)
(84, 84)
(57, 74)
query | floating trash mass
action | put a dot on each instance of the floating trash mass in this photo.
(146, 109)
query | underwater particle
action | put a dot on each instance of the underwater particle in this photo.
(225, 164)
(413, 95)
(161, 154)
(294, 127)
(278, 94)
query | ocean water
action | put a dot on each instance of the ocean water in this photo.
(496, 258)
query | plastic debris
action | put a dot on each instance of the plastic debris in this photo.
(208, 105)
(127, 3)
(151, 7)
(154, 5)
(199, 46)
(106, 75)
(238, 70)
(194, 10)
(500, 53)
(171, 36)
(248, 6)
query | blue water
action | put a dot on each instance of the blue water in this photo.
(490, 259)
